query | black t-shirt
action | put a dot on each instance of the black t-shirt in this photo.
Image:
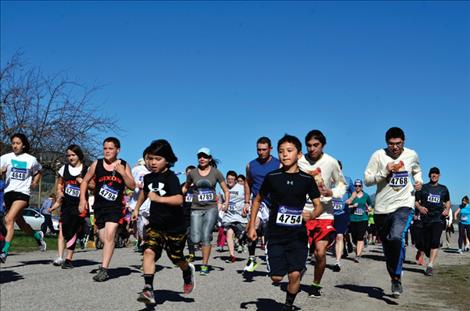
(287, 193)
(164, 217)
(433, 198)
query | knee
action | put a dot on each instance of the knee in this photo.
(294, 276)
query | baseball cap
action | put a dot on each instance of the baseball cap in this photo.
(358, 182)
(204, 150)
(434, 170)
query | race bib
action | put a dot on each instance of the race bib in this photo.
(359, 211)
(18, 173)
(72, 191)
(188, 198)
(108, 193)
(231, 207)
(205, 196)
(433, 198)
(464, 218)
(399, 180)
(337, 204)
(289, 217)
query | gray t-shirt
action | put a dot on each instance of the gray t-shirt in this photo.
(204, 196)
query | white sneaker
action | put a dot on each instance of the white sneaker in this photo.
(459, 251)
(251, 265)
(58, 261)
(42, 244)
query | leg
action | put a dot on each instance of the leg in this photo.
(339, 247)
(60, 242)
(13, 213)
(208, 223)
(107, 235)
(230, 243)
(320, 256)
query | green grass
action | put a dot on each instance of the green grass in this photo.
(26, 243)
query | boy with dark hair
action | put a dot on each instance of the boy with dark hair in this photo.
(287, 189)
(166, 229)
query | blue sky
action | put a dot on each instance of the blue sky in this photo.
(222, 74)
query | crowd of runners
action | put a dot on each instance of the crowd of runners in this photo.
(297, 206)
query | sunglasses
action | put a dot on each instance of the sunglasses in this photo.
(358, 186)
(203, 155)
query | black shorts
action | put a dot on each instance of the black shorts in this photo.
(341, 223)
(358, 230)
(286, 256)
(237, 227)
(13, 196)
(372, 229)
(172, 243)
(107, 214)
(431, 234)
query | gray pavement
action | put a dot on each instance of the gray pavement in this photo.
(28, 281)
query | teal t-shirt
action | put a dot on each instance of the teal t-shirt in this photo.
(359, 213)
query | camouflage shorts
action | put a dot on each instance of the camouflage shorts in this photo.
(172, 243)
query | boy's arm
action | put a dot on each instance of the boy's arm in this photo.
(84, 187)
(138, 204)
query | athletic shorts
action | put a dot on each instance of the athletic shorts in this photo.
(358, 230)
(341, 223)
(432, 235)
(285, 256)
(372, 229)
(172, 243)
(107, 214)
(13, 196)
(321, 229)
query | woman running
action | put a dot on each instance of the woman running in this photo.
(23, 173)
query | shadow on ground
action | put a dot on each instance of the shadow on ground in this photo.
(373, 292)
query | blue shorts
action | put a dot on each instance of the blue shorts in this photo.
(341, 223)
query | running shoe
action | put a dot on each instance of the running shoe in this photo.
(58, 261)
(397, 289)
(287, 307)
(250, 265)
(188, 287)
(41, 243)
(204, 270)
(428, 271)
(147, 296)
(240, 249)
(356, 259)
(336, 268)
(82, 243)
(459, 251)
(315, 291)
(67, 264)
(231, 259)
(3, 257)
(101, 276)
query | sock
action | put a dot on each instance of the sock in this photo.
(316, 284)
(430, 265)
(290, 298)
(37, 235)
(187, 275)
(6, 247)
(338, 263)
(148, 278)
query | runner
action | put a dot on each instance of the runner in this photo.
(391, 169)
(166, 229)
(463, 215)
(332, 186)
(241, 179)
(23, 173)
(433, 203)
(341, 220)
(256, 170)
(68, 197)
(234, 221)
(204, 207)
(287, 189)
(188, 199)
(111, 175)
(359, 204)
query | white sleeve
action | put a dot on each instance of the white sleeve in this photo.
(61, 171)
(416, 169)
(36, 167)
(373, 174)
(340, 183)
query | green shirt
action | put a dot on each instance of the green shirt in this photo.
(359, 213)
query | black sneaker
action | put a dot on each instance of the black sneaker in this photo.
(101, 276)
(336, 268)
(428, 271)
(397, 289)
(67, 264)
(287, 307)
(315, 291)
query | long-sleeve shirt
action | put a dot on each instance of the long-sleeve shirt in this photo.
(394, 190)
(331, 176)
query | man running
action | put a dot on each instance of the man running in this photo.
(433, 203)
(256, 170)
(391, 170)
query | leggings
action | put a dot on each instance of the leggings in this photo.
(202, 224)
(464, 231)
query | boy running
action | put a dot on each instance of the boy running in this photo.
(287, 189)
(166, 228)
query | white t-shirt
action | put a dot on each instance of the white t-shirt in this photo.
(393, 190)
(74, 171)
(331, 176)
(235, 206)
(20, 170)
(138, 172)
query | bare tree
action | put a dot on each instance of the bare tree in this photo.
(52, 111)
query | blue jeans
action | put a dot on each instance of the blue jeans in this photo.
(202, 224)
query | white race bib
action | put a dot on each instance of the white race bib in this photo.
(108, 193)
(72, 191)
(205, 196)
(188, 198)
(359, 211)
(399, 180)
(337, 204)
(289, 216)
(18, 173)
(434, 198)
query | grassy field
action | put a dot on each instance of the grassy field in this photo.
(25, 243)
